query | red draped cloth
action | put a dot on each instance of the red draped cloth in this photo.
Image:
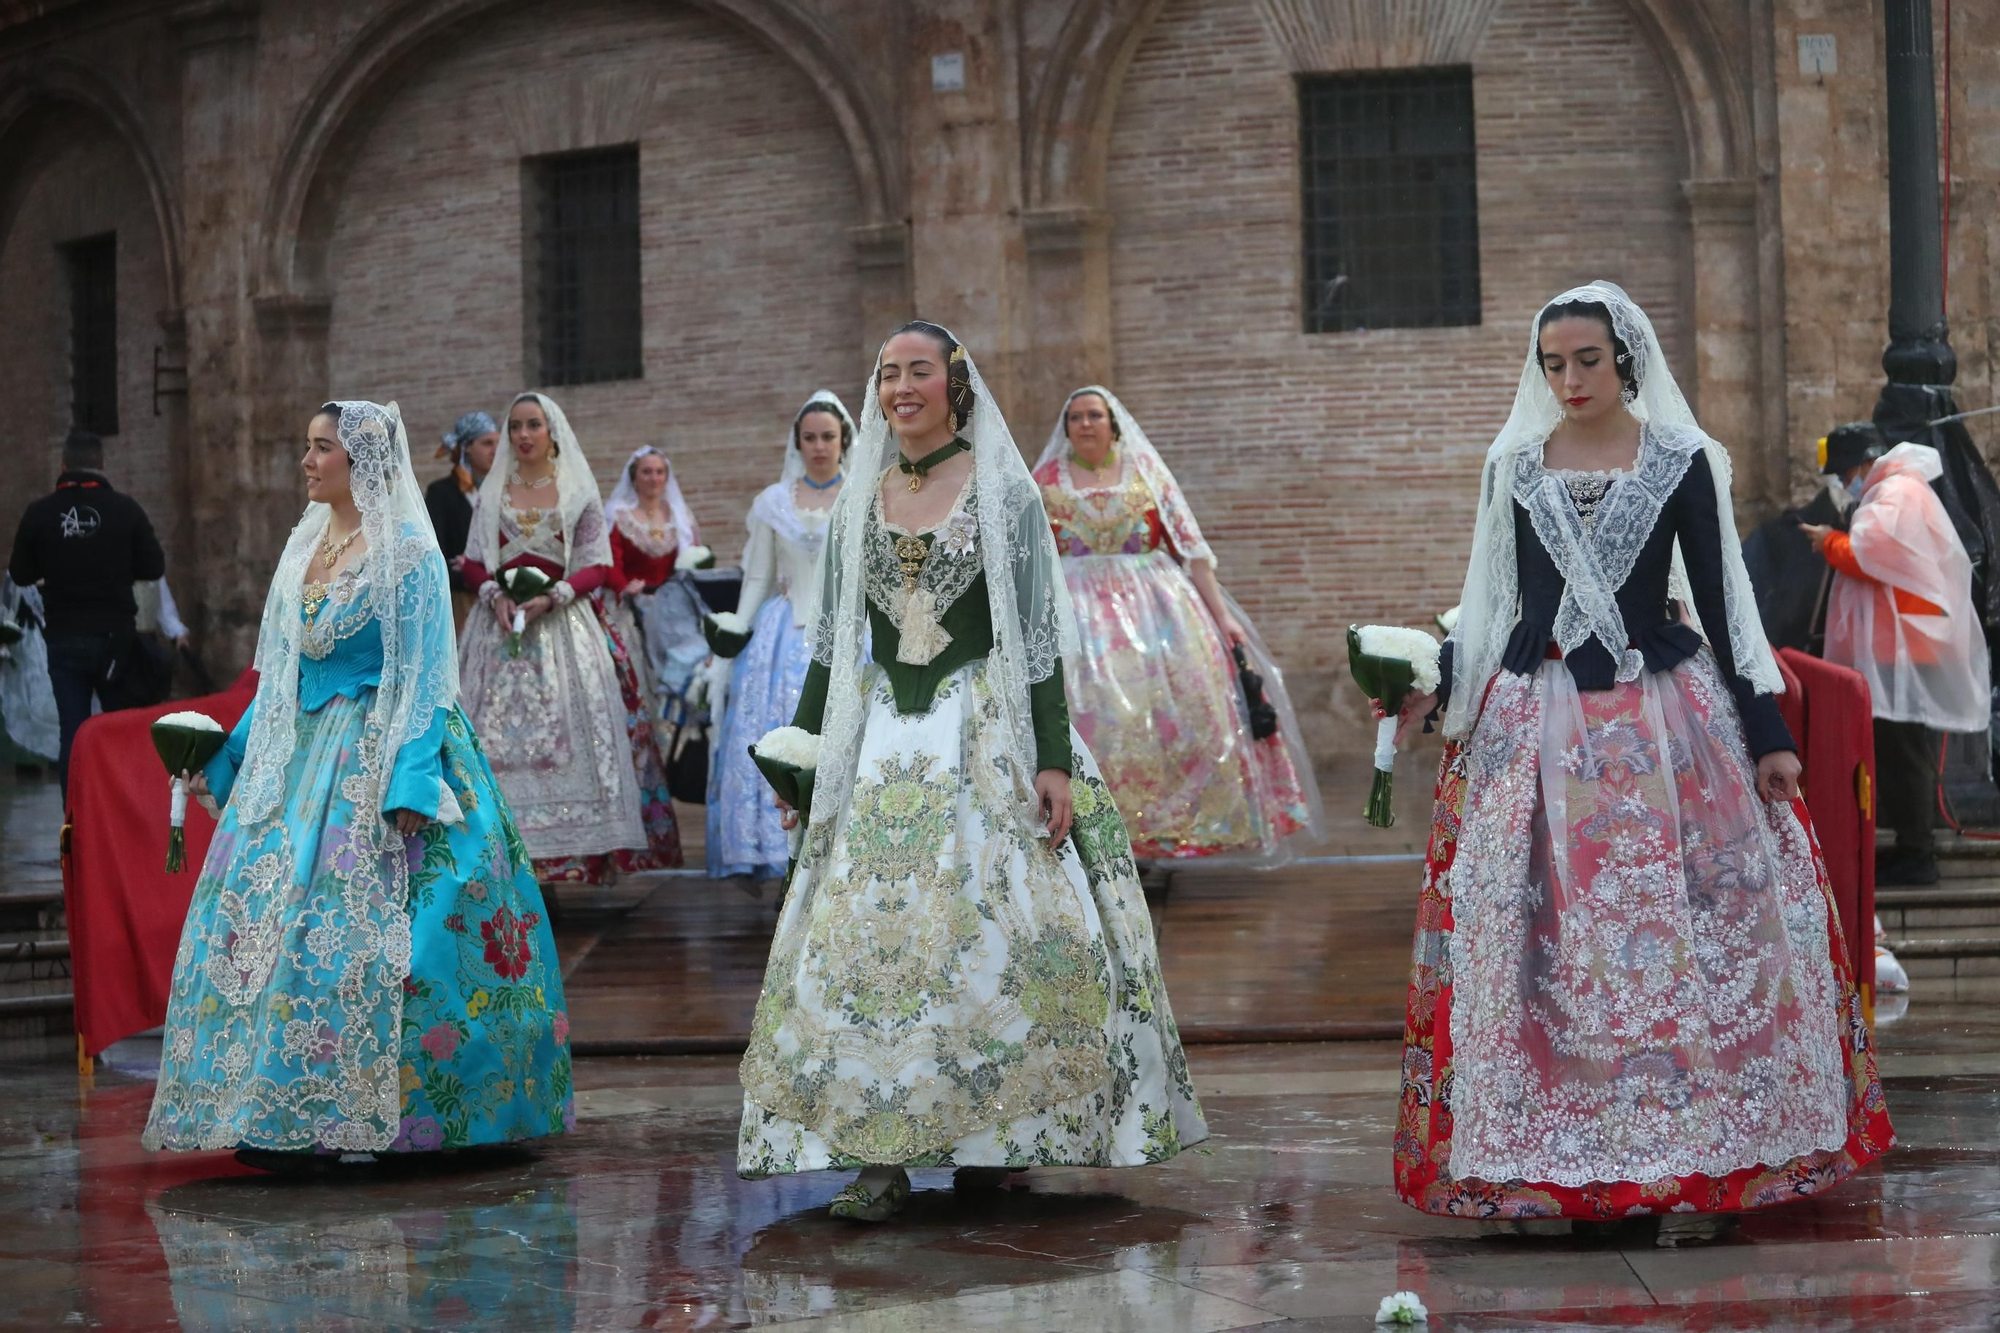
(1828, 709)
(124, 911)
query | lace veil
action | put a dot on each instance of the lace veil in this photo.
(365, 924)
(1033, 628)
(625, 496)
(406, 585)
(1593, 570)
(576, 491)
(1152, 469)
(773, 506)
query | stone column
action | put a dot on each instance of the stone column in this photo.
(1728, 372)
(1069, 267)
(232, 553)
(968, 255)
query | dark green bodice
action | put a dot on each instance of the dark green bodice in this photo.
(969, 621)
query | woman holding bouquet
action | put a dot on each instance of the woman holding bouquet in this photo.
(1630, 993)
(365, 966)
(961, 976)
(781, 565)
(1156, 693)
(555, 704)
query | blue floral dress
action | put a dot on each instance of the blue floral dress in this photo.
(448, 1029)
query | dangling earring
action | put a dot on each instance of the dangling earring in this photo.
(555, 450)
(1630, 394)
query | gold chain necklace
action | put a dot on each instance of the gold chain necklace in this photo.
(313, 596)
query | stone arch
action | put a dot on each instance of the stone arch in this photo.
(336, 117)
(46, 87)
(1069, 127)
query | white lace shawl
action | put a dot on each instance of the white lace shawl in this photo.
(1032, 630)
(1596, 566)
(585, 544)
(622, 508)
(1175, 513)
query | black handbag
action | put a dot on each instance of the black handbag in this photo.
(1263, 716)
(687, 764)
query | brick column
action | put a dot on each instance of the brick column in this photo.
(1069, 268)
(1727, 391)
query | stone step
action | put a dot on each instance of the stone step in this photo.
(1945, 908)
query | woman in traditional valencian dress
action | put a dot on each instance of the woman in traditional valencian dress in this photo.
(1154, 688)
(759, 690)
(554, 709)
(1630, 993)
(953, 983)
(365, 966)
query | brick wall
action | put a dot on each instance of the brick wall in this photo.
(747, 196)
(84, 184)
(1335, 473)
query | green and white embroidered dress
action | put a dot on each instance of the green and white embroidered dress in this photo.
(945, 987)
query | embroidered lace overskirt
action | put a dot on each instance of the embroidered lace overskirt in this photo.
(945, 989)
(744, 833)
(1155, 696)
(467, 1042)
(1629, 991)
(556, 727)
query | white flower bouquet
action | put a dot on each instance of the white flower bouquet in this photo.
(695, 557)
(185, 741)
(524, 583)
(1390, 663)
(727, 632)
(1404, 1308)
(1447, 621)
(788, 758)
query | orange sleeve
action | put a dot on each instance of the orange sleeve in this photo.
(1839, 553)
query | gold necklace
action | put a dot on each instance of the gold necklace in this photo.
(330, 554)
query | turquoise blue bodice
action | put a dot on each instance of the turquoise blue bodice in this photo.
(341, 655)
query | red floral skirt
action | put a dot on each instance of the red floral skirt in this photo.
(1626, 979)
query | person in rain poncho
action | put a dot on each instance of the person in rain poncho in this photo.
(1900, 612)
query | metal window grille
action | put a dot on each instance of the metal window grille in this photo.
(92, 267)
(1391, 200)
(583, 242)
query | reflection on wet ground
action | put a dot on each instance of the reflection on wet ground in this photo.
(1285, 1219)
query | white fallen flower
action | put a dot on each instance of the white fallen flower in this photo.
(730, 622)
(1402, 1308)
(1414, 646)
(790, 745)
(192, 721)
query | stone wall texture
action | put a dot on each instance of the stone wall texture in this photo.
(317, 199)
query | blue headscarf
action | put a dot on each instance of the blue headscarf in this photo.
(463, 432)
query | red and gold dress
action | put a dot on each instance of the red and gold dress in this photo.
(1154, 690)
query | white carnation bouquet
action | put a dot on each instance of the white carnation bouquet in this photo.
(1391, 663)
(788, 757)
(727, 632)
(185, 741)
(695, 557)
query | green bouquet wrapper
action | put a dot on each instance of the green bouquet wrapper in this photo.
(1389, 681)
(793, 784)
(183, 748)
(523, 583)
(723, 641)
(10, 633)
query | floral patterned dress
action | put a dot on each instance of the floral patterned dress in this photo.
(1154, 690)
(456, 1035)
(1629, 990)
(568, 722)
(945, 988)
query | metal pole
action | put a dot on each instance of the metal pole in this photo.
(1918, 351)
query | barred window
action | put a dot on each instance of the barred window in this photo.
(92, 268)
(1391, 200)
(582, 248)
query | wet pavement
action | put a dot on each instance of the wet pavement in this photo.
(1285, 1218)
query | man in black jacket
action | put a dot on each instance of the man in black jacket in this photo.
(86, 545)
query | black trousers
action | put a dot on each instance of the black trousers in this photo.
(1906, 776)
(83, 666)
